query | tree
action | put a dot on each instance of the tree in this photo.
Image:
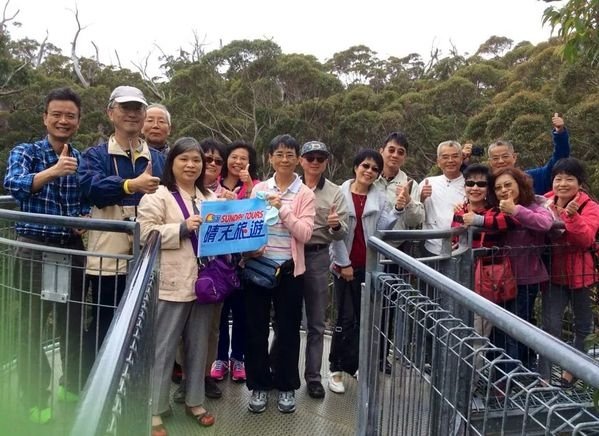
(578, 28)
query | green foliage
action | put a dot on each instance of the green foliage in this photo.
(577, 24)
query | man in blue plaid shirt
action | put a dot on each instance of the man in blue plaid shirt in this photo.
(42, 177)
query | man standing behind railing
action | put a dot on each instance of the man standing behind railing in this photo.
(501, 155)
(440, 194)
(330, 224)
(114, 176)
(157, 127)
(42, 177)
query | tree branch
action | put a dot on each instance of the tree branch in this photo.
(74, 57)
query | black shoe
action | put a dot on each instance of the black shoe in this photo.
(385, 366)
(211, 389)
(315, 389)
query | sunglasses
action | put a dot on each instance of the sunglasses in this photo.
(217, 161)
(319, 159)
(367, 167)
(472, 183)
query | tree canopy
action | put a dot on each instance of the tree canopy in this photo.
(250, 89)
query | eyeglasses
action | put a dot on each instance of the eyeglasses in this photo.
(319, 159)
(367, 167)
(503, 157)
(217, 161)
(288, 156)
(479, 183)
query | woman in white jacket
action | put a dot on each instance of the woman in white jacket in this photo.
(177, 313)
(369, 211)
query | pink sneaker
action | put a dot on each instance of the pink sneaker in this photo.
(219, 370)
(238, 371)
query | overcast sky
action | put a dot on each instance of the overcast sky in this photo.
(317, 27)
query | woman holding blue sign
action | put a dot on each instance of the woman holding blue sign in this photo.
(291, 229)
(173, 211)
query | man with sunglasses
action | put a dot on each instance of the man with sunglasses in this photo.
(157, 127)
(114, 176)
(330, 223)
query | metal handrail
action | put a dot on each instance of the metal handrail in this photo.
(578, 363)
(92, 415)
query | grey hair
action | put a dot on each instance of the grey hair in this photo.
(500, 143)
(454, 144)
(162, 108)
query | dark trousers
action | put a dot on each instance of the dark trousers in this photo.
(287, 302)
(234, 303)
(107, 292)
(67, 324)
(351, 293)
(555, 301)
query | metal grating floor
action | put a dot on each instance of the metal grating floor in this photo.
(334, 415)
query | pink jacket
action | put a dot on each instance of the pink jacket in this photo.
(572, 263)
(299, 219)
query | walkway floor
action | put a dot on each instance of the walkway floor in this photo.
(332, 416)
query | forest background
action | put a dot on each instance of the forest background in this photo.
(251, 90)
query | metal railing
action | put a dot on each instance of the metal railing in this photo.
(447, 379)
(117, 396)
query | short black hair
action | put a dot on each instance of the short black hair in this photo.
(253, 159)
(398, 137)
(285, 141)
(211, 144)
(570, 166)
(367, 153)
(63, 94)
(477, 169)
(182, 145)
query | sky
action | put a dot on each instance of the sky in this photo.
(136, 29)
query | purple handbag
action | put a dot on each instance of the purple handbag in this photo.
(217, 278)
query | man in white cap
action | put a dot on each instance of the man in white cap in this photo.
(113, 177)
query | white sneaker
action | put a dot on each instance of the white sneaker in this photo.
(357, 374)
(336, 386)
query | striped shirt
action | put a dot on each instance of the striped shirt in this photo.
(60, 196)
(278, 247)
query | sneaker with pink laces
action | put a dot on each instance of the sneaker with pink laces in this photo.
(238, 371)
(219, 370)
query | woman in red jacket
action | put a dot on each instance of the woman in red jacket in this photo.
(572, 271)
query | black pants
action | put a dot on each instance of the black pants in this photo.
(41, 320)
(287, 302)
(351, 310)
(107, 292)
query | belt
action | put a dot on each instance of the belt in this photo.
(55, 240)
(314, 247)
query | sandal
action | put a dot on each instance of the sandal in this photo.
(204, 419)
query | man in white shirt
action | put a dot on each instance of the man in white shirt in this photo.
(440, 194)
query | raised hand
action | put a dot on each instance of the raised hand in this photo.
(426, 192)
(244, 176)
(66, 164)
(467, 150)
(333, 218)
(558, 122)
(145, 182)
(507, 206)
(402, 196)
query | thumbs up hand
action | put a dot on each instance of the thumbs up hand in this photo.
(573, 206)
(426, 192)
(507, 206)
(402, 196)
(66, 164)
(333, 218)
(469, 216)
(145, 182)
(558, 122)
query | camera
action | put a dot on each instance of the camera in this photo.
(478, 150)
